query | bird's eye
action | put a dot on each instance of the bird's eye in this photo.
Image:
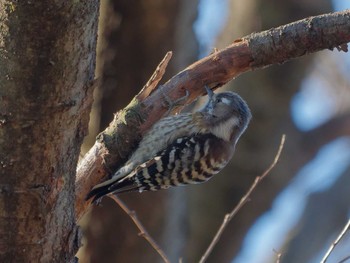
(223, 100)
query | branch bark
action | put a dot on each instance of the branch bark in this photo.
(255, 51)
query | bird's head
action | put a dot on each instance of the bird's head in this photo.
(227, 113)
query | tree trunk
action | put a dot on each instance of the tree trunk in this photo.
(47, 61)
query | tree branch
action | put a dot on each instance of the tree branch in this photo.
(341, 235)
(143, 232)
(242, 202)
(257, 50)
(155, 78)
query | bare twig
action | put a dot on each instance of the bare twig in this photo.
(331, 248)
(278, 260)
(143, 232)
(155, 78)
(241, 203)
(344, 259)
(278, 256)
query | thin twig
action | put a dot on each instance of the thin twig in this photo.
(344, 259)
(143, 232)
(278, 256)
(331, 248)
(241, 203)
(155, 78)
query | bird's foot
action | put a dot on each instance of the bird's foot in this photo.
(171, 104)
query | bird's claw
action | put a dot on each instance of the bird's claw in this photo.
(209, 91)
(171, 104)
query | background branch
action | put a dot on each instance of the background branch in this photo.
(143, 232)
(241, 203)
(336, 242)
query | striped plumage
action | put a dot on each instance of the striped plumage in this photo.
(183, 149)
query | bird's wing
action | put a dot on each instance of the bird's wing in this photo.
(188, 160)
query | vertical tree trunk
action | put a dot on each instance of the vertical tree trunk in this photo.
(47, 61)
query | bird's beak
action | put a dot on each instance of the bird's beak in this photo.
(210, 104)
(209, 92)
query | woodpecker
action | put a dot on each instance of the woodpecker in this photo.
(188, 148)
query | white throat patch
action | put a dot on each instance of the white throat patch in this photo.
(224, 129)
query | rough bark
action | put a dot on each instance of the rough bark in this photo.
(47, 60)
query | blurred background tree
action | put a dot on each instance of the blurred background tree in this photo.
(309, 212)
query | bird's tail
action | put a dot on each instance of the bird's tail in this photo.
(114, 185)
